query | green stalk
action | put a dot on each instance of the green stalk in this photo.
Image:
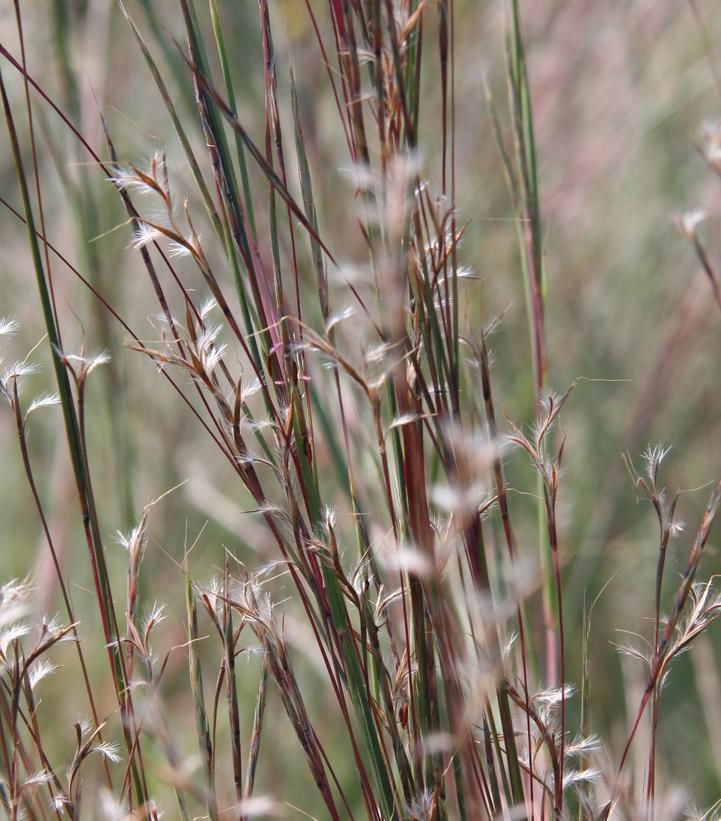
(234, 216)
(196, 687)
(360, 696)
(509, 738)
(530, 235)
(227, 79)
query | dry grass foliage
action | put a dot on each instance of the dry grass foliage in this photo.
(355, 409)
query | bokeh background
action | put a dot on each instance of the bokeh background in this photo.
(623, 92)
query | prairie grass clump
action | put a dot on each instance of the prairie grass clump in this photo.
(383, 615)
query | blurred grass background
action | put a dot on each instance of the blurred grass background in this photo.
(621, 92)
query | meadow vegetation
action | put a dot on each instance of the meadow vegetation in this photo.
(337, 340)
